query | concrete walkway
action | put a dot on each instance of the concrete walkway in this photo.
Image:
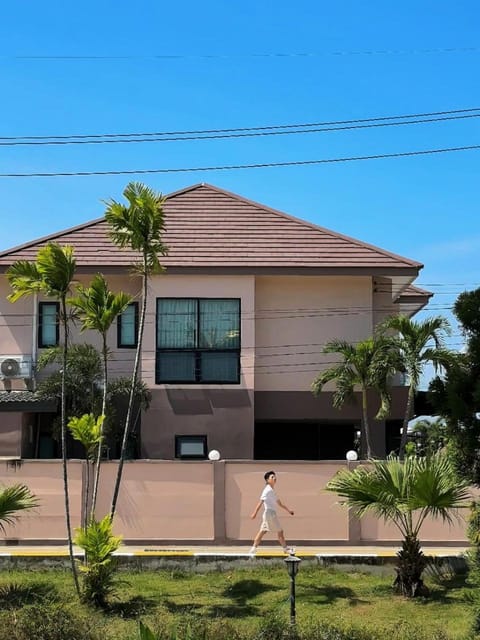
(234, 551)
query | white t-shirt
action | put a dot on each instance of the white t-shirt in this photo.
(269, 498)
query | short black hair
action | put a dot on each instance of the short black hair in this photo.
(268, 474)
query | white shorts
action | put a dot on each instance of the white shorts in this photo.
(270, 521)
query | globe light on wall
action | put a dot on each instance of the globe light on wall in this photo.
(214, 455)
(351, 456)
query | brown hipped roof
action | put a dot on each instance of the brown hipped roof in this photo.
(209, 228)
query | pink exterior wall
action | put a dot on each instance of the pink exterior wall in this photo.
(45, 480)
(296, 316)
(160, 500)
(175, 502)
(224, 412)
(299, 486)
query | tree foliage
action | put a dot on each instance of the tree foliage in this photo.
(456, 397)
(366, 365)
(404, 493)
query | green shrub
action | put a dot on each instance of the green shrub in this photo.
(99, 543)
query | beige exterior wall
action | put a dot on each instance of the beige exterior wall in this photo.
(15, 323)
(296, 316)
(174, 502)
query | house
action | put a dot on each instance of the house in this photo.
(234, 332)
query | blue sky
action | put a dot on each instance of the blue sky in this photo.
(425, 208)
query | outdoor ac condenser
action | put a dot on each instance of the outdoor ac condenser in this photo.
(15, 367)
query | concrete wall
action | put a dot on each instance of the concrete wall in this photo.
(171, 502)
(45, 480)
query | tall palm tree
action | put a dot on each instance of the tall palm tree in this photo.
(14, 499)
(87, 430)
(97, 308)
(137, 226)
(52, 275)
(368, 365)
(404, 493)
(412, 340)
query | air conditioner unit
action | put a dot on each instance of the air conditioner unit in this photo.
(15, 367)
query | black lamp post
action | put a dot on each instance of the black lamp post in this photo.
(293, 564)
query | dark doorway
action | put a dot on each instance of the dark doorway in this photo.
(303, 440)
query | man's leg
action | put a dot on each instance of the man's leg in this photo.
(258, 539)
(281, 539)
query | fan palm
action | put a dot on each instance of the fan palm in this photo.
(404, 493)
(14, 499)
(51, 274)
(137, 226)
(97, 308)
(412, 341)
(367, 364)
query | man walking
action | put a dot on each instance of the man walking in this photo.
(270, 521)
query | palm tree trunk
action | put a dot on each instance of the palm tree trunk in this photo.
(131, 398)
(100, 443)
(410, 565)
(64, 446)
(366, 426)
(408, 412)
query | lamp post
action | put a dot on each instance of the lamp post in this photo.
(351, 456)
(293, 564)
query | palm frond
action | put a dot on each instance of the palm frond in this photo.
(14, 499)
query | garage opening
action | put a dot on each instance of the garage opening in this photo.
(303, 440)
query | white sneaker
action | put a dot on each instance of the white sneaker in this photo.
(252, 551)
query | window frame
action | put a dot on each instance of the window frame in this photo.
(41, 306)
(197, 351)
(120, 345)
(195, 438)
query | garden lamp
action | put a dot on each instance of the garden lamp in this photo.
(293, 564)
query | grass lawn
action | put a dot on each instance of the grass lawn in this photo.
(246, 598)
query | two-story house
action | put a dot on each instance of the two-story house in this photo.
(234, 333)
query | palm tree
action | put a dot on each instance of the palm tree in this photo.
(404, 493)
(138, 226)
(13, 499)
(87, 430)
(97, 308)
(52, 275)
(367, 364)
(413, 341)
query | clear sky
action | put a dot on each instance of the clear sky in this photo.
(122, 67)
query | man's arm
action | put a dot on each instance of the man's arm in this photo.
(256, 510)
(280, 504)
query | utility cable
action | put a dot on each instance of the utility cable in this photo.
(260, 165)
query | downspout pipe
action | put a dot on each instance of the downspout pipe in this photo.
(34, 339)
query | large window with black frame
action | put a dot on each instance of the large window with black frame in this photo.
(198, 341)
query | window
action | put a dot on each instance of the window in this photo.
(191, 446)
(127, 327)
(198, 341)
(48, 332)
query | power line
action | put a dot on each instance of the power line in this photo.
(261, 165)
(241, 129)
(220, 56)
(220, 136)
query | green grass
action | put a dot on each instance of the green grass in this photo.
(246, 598)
